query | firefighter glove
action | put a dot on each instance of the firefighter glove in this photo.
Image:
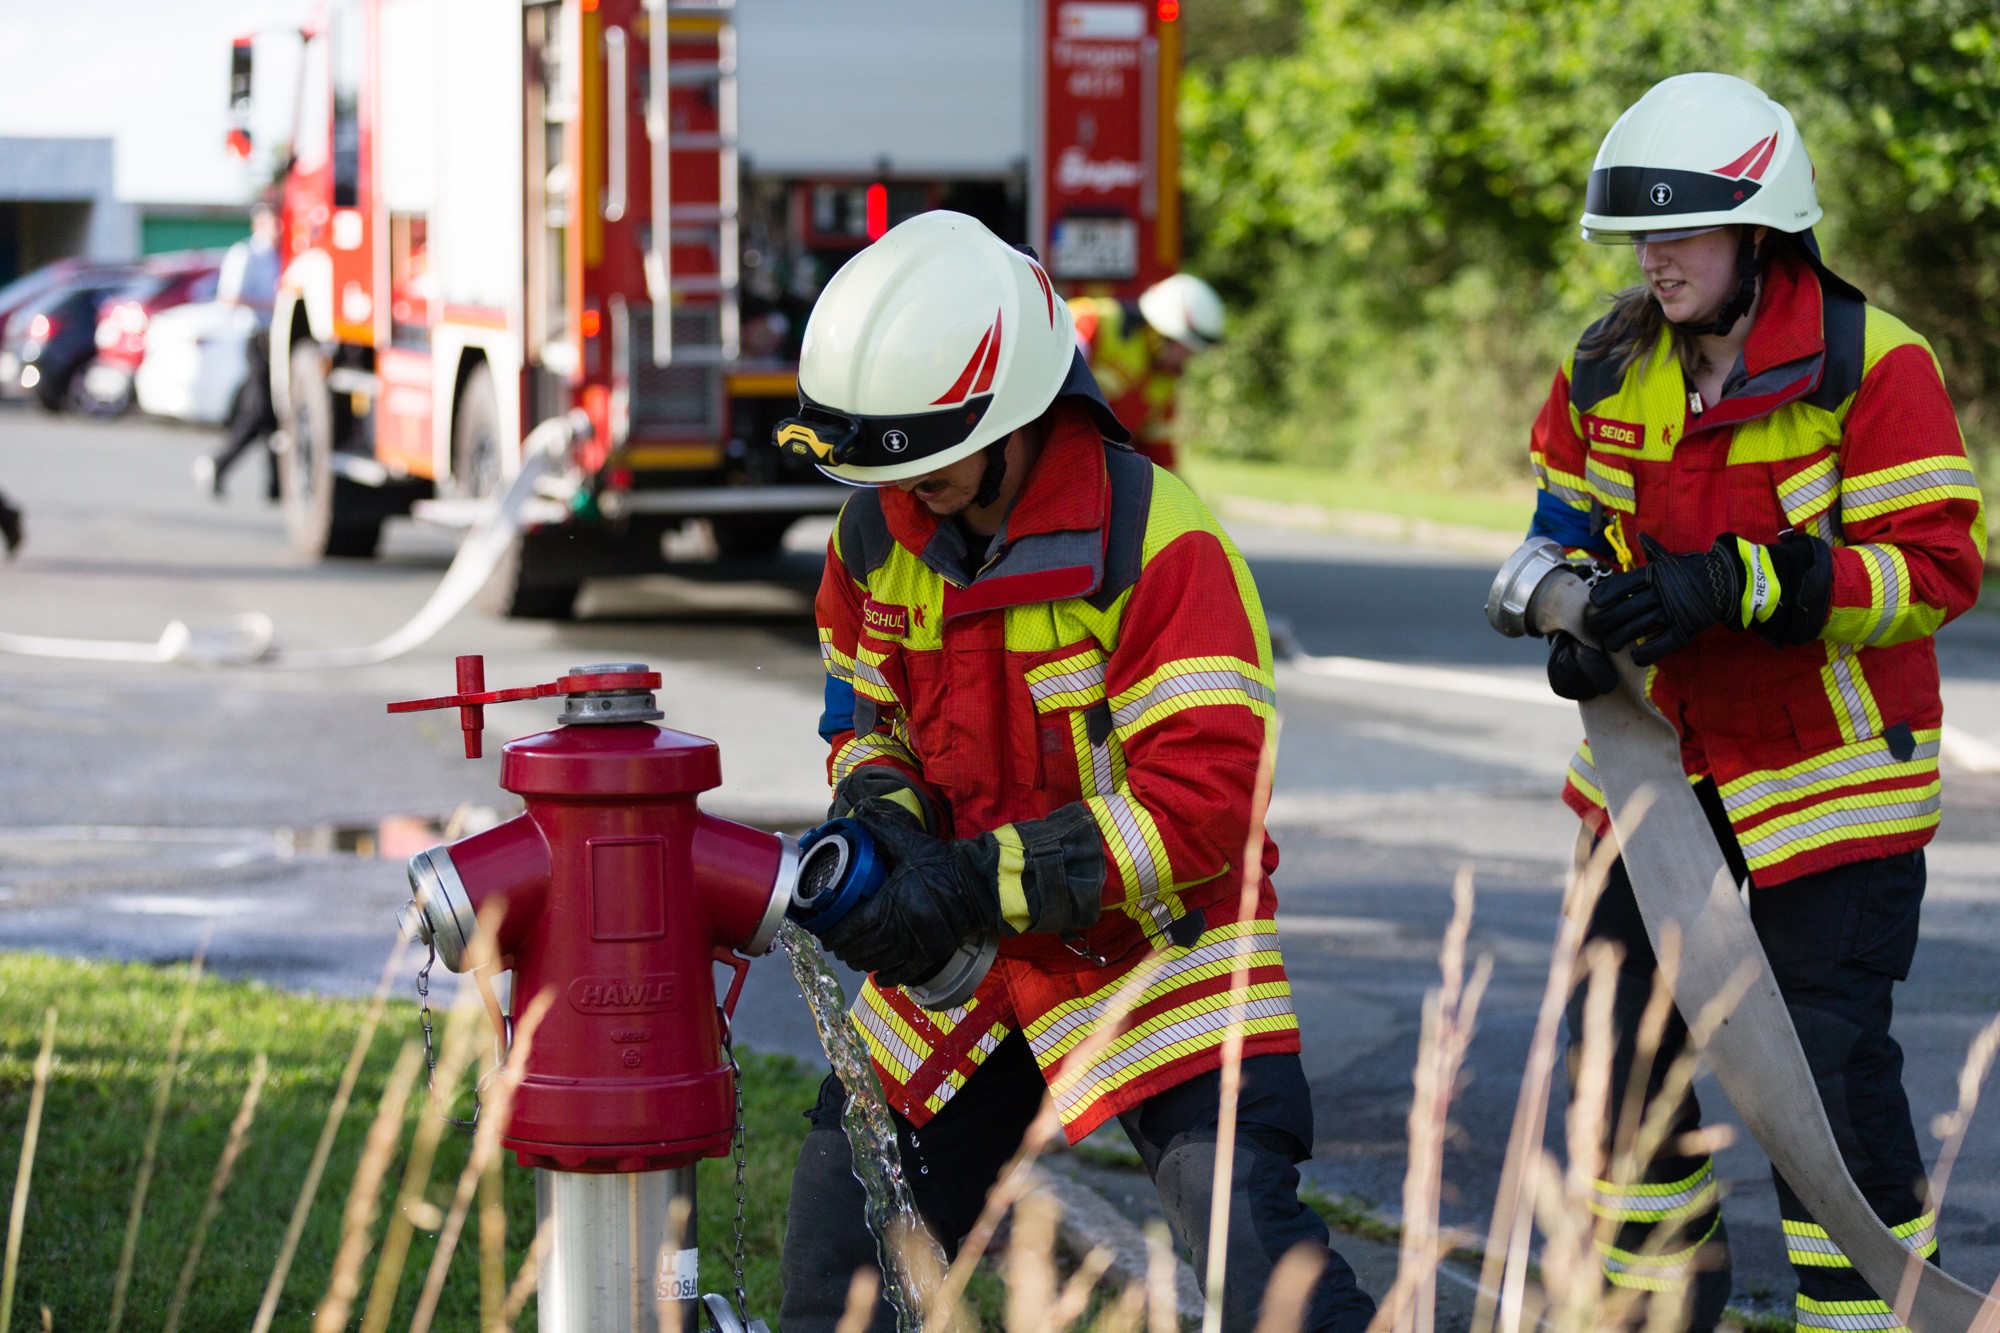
(1577, 670)
(1782, 590)
(876, 792)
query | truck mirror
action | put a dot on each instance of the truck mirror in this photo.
(239, 97)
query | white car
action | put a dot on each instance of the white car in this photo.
(195, 361)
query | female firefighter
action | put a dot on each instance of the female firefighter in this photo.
(1770, 470)
(1047, 687)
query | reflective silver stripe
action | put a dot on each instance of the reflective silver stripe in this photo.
(1826, 1317)
(1077, 678)
(873, 675)
(1802, 495)
(1222, 950)
(1635, 1203)
(1892, 589)
(879, 1028)
(1134, 838)
(1838, 768)
(1796, 1245)
(1104, 1075)
(1952, 475)
(1826, 525)
(1230, 682)
(1560, 489)
(832, 663)
(1844, 817)
(1842, 662)
(1607, 484)
(1101, 770)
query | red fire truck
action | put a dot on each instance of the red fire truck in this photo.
(493, 213)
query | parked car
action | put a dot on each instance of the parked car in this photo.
(197, 356)
(23, 297)
(166, 282)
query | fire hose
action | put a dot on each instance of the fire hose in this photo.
(1681, 882)
(249, 639)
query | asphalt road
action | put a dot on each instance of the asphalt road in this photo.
(144, 809)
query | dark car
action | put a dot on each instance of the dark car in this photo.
(49, 340)
(165, 282)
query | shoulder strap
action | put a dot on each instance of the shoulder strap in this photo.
(1125, 542)
(1844, 319)
(1594, 376)
(865, 539)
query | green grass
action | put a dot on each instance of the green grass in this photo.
(110, 1048)
(1290, 483)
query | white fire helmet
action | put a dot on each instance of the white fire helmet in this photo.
(1185, 309)
(1699, 151)
(929, 345)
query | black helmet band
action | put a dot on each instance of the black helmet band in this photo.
(833, 438)
(1662, 192)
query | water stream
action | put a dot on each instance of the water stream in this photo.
(871, 1137)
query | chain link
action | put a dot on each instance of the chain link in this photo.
(742, 1194)
(430, 1049)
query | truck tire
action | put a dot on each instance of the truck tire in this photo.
(748, 535)
(475, 438)
(307, 488)
(519, 589)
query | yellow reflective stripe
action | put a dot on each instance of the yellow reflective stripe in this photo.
(1847, 690)
(906, 798)
(1013, 861)
(1866, 761)
(1892, 614)
(1811, 491)
(1076, 681)
(1611, 485)
(1761, 592)
(955, 1077)
(1100, 768)
(1583, 775)
(1565, 486)
(892, 1042)
(869, 745)
(1843, 819)
(1655, 1203)
(1924, 481)
(1808, 1245)
(1872, 1315)
(1166, 1043)
(837, 663)
(1191, 682)
(1067, 1023)
(1135, 843)
(1652, 1272)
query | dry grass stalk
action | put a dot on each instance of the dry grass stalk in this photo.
(336, 1113)
(1126, 1314)
(232, 1149)
(1162, 1309)
(365, 1193)
(1448, 1024)
(1075, 1298)
(528, 1277)
(1285, 1300)
(492, 1243)
(149, 1150)
(494, 1114)
(17, 1216)
(1031, 1264)
(1017, 1176)
(1571, 1274)
(1503, 1275)
(861, 1294)
(461, 1040)
(1217, 1276)
(1951, 1128)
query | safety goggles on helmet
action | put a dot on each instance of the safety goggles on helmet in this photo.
(827, 436)
(1636, 238)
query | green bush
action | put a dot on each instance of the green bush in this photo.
(1390, 205)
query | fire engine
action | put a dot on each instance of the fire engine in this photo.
(495, 212)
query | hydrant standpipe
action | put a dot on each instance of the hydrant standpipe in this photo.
(614, 895)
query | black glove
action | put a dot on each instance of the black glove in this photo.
(1577, 670)
(1783, 590)
(1044, 874)
(876, 792)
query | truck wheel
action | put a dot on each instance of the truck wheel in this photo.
(519, 590)
(306, 485)
(745, 535)
(475, 438)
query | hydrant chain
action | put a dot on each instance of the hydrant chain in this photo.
(430, 1050)
(736, 1143)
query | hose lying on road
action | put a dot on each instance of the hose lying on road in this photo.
(1680, 879)
(249, 640)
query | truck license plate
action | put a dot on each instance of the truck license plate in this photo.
(1096, 248)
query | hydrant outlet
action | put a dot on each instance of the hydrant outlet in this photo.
(440, 910)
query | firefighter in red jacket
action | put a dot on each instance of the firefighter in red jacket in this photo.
(1771, 469)
(1047, 686)
(1138, 349)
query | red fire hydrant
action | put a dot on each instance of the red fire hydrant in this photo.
(614, 894)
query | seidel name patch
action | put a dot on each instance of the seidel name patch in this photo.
(1618, 434)
(885, 621)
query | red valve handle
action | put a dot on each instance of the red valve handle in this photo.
(473, 696)
(737, 963)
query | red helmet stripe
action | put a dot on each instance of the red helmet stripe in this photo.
(1737, 168)
(992, 359)
(1764, 158)
(963, 384)
(1048, 292)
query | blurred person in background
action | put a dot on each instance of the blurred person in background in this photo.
(249, 278)
(10, 526)
(1765, 473)
(1138, 349)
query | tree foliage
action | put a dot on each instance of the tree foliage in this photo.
(1390, 202)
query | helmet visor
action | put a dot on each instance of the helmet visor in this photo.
(1603, 237)
(830, 437)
